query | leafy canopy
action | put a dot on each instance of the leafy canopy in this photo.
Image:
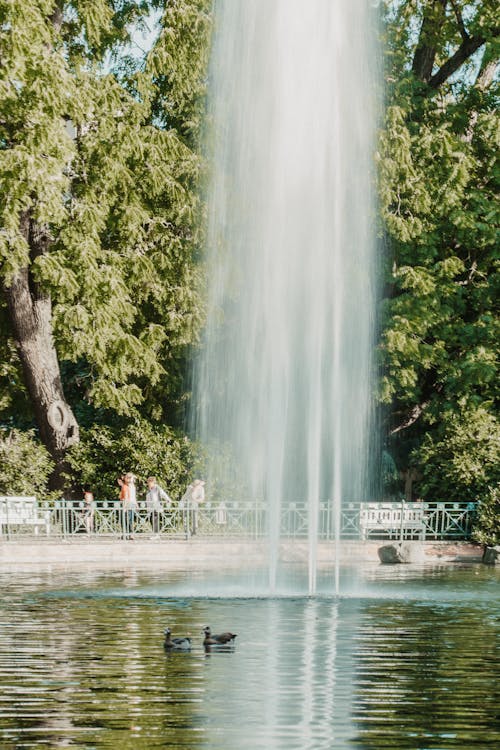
(119, 199)
(439, 184)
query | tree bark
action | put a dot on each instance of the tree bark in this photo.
(30, 314)
(425, 53)
(466, 49)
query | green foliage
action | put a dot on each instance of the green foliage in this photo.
(459, 458)
(120, 201)
(25, 465)
(178, 65)
(487, 529)
(106, 453)
(439, 188)
(13, 400)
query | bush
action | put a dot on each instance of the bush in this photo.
(460, 462)
(487, 527)
(25, 465)
(104, 453)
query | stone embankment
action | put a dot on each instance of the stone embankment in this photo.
(232, 552)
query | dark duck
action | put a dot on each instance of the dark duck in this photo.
(220, 639)
(176, 644)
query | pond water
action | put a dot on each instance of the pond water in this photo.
(406, 657)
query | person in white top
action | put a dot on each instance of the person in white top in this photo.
(88, 511)
(194, 495)
(154, 497)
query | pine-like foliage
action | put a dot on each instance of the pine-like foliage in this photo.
(100, 147)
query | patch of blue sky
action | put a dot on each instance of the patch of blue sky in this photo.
(142, 38)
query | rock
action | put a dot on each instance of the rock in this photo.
(491, 555)
(398, 552)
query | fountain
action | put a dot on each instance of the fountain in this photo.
(285, 375)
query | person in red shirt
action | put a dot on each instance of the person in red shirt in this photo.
(129, 503)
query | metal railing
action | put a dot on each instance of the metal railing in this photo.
(239, 518)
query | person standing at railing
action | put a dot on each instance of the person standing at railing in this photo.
(88, 511)
(128, 498)
(197, 498)
(154, 497)
(190, 501)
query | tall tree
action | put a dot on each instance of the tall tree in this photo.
(98, 223)
(439, 204)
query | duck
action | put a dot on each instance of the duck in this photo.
(220, 639)
(176, 644)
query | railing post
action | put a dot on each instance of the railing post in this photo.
(7, 518)
(63, 518)
(187, 524)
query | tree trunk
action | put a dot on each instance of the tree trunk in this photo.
(30, 314)
(425, 52)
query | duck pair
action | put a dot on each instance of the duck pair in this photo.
(211, 639)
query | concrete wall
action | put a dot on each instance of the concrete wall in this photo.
(186, 554)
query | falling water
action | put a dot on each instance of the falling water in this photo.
(284, 379)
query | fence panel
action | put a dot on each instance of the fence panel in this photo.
(239, 518)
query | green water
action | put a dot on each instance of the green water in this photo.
(407, 657)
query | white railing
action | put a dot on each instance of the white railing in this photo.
(238, 518)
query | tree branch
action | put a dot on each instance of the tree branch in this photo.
(460, 20)
(411, 418)
(466, 49)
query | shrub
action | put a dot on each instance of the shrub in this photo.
(459, 460)
(487, 527)
(25, 464)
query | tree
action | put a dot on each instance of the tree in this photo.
(438, 195)
(99, 172)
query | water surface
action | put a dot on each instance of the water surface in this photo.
(406, 657)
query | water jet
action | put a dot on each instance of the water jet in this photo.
(285, 378)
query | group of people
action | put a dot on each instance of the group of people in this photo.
(155, 497)
(157, 500)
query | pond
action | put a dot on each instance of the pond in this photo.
(406, 657)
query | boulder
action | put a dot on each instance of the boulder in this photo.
(397, 552)
(491, 555)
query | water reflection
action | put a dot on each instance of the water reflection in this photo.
(82, 662)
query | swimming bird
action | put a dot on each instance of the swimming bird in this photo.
(176, 644)
(220, 639)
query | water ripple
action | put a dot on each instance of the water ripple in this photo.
(90, 671)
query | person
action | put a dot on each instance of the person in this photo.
(128, 498)
(154, 497)
(190, 501)
(221, 514)
(88, 511)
